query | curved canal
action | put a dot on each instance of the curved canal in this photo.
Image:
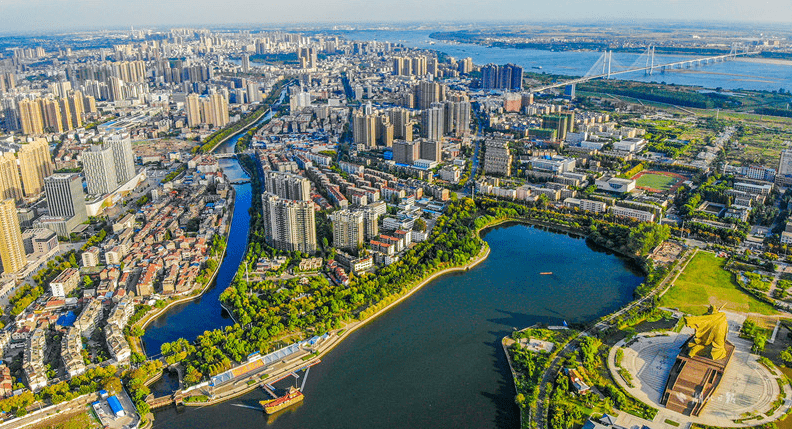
(191, 319)
(435, 360)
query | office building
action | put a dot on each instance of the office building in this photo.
(289, 225)
(245, 63)
(405, 152)
(784, 175)
(39, 240)
(99, 170)
(65, 198)
(287, 185)
(12, 248)
(35, 164)
(123, 157)
(431, 150)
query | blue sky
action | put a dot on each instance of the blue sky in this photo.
(43, 15)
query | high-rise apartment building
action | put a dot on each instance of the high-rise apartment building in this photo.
(465, 65)
(402, 124)
(433, 122)
(457, 117)
(12, 249)
(35, 164)
(384, 131)
(308, 57)
(10, 185)
(289, 225)
(560, 123)
(288, 185)
(245, 63)
(508, 77)
(11, 114)
(30, 117)
(427, 93)
(209, 109)
(192, 106)
(364, 129)
(348, 229)
(402, 66)
(497, 157)
(77, 108)
(214, 110)
(99, 170)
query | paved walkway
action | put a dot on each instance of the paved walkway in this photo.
(747, 385)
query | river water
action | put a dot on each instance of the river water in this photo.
(738, 74)
(435, 360)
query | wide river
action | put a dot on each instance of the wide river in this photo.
(435, 360)
(745, 73)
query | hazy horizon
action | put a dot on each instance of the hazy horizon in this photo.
(26, 16)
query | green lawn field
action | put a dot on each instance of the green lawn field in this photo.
(656, 181)
(704, 282)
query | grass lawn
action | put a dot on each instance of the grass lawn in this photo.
(656, 181)
(704, 282)
(76, 421)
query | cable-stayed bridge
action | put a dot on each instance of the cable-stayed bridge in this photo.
(606, 67)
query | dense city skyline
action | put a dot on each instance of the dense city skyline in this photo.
(54, 15)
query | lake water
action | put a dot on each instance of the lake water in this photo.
(435, 360)
(737, 74)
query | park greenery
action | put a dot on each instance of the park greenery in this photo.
(706, 282)
(565, 407)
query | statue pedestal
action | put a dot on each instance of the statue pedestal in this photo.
(693, 380)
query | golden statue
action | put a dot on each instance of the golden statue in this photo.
(710, 336)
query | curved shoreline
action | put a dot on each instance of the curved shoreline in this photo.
(483, 254)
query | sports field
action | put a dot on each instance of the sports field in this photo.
(658, 181)
(704, 282)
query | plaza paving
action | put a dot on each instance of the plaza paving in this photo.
(747, 385)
